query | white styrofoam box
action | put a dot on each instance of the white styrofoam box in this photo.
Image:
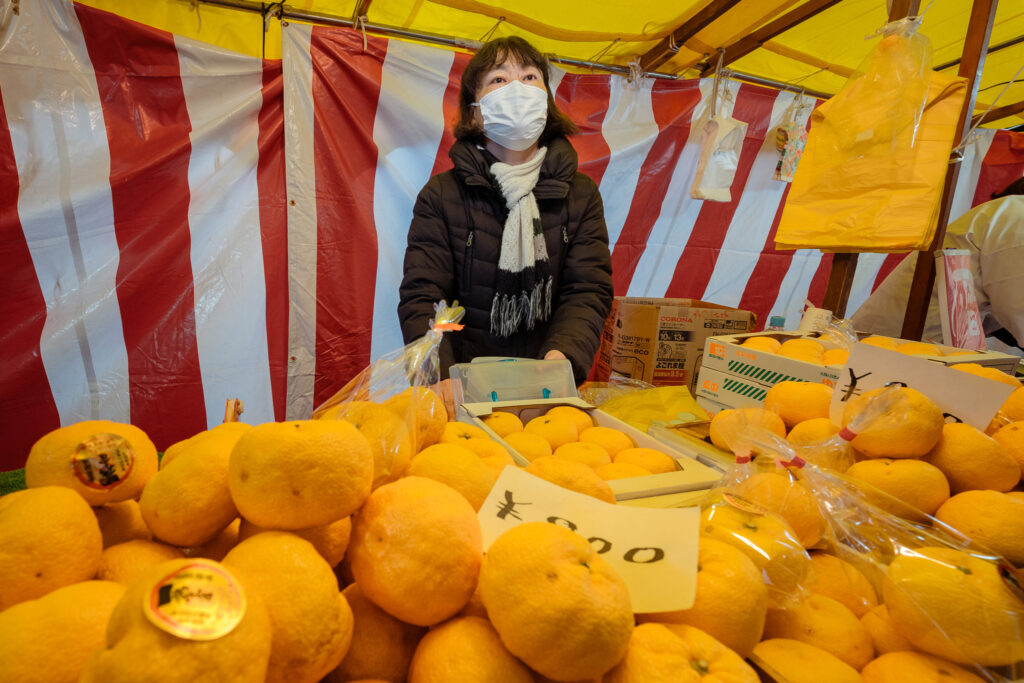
(726, 355)
(732, 391)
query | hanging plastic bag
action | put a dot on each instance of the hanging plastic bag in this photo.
(721, 143)
(391, 401)
(872, 172)
(790, 139)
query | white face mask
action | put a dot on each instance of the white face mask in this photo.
(514, 115)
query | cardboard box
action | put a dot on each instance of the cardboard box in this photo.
(692, 475)
(731, 391)
(531, 388)
(661, 341)
(1001, 361)
(726, 355)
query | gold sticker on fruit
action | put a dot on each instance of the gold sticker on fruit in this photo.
(200, 601)
(103, 461)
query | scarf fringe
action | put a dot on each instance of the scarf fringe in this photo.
(511, 311)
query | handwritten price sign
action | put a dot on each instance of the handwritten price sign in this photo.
(963, 397)
(653, 549)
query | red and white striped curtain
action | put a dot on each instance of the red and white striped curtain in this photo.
(180, 225)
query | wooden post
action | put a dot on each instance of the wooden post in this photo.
(844, 265)
(979, 30)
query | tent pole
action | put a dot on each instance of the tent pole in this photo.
(844, 264)
(979, 31)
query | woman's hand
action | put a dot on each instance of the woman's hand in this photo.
(444, 390)
(554, 354)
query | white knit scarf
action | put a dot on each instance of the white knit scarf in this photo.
(522, 292)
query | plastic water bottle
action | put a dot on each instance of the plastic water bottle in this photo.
(776, 323)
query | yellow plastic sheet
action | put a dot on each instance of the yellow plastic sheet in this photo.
(874, 196)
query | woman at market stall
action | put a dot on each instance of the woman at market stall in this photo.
(513, 232)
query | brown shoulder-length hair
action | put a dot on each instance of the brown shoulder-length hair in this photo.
(492, 54)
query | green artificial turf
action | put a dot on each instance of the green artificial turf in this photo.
(12, 481)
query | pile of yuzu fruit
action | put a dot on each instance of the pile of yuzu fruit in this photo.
(349, 549)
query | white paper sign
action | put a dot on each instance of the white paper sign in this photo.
(960, 395)
(653, 549)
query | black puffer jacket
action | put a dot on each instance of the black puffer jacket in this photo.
(453, 249)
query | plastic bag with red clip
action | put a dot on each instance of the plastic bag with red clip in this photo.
(836, 453)
(761, 509)
(391, 401)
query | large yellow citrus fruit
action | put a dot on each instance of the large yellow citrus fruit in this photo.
(138, 650)
(49, 538)
(612, 440)
(731, 600)
(120, 522)
(126, 561)
(659, 653)
(795, 661)
(544, 585)
(918, 484)
(586, 452)
(763, 343)
(763, 537)
(726, 424)
(219, 546)
(1013, 407)
(416, 550)
(882, 342)
(104, 461)
(787, 498)
(424, 413)
(503, 423)
(218, 433)
(387, 434)
(954, 605)
(837, 579)
(620, 470)
(799, 347)
(530, 446)
(910, 431)
(295, 475)
(648, 458)
(51, 638)
(382, 646)
(574, 476)
(812, 431)
(994, 374)
(884, 635)
(465, 649)
(311, 619)
(457, 467)
(992, 518)
(580, 417)
(553, 429)
(796, 402)
(825, 623)
(971, 459)
(457, 432)
(330, 540)
(188, 502)
(1011, 438)
(835, 357)
(900, 667)
(916, 348)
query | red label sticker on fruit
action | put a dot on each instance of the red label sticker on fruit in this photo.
(103, 461)
(199, 601)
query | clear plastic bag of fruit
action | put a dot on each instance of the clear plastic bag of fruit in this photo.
(391, 401)
(759, 508)
(836, 453)
(945, 595)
